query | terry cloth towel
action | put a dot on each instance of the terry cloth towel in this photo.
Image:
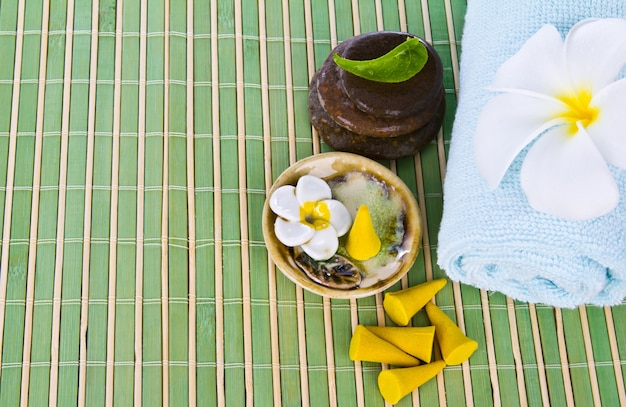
(493, 239)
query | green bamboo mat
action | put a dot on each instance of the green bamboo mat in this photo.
(137, 141)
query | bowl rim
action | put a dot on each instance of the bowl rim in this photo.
(304, 166)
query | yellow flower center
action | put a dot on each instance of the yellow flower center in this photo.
(578, 110)
(315, 214)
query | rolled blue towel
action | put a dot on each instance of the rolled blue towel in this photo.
(492, 238)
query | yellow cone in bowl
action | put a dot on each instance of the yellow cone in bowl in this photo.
(402, 305)
(455, 347)
(416, 341)
(363, 243)
(394, 384)
(366, 346)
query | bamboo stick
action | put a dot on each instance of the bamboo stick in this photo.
(84, 312)
(310, 58)
(165, 314)
(330, 352)
(541, 369)
(113, 232)
(517, 357)
(217, 216)
(619, 378)
(10, 177)
(567, 380)
(191, 205)
(34, 220)
(243, 205)
(267, 154)
(58, 270)
(141, 162)
(593, 377)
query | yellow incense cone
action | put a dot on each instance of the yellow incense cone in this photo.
(402, 305)
(397, 383)
(364, 345)
(416, 341)
(455, 347)
(362, 243)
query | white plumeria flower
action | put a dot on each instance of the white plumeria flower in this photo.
(308, 217)
(573, 95)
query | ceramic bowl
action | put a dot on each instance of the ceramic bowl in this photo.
(331, 167)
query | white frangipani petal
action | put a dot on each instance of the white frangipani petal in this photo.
(569, 96)
(312, 189)
(507, 124)
(284, 203)
(292, 233)
(595, 52)
(323, 245)
(608, 131)
(340, 218)
(537, 67)
(566, 176)
(308, 217)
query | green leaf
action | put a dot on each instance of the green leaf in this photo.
(398, 65)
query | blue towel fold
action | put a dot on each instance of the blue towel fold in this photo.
(493, 239)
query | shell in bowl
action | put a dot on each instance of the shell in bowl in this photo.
(354, 180)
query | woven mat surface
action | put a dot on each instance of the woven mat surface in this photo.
(137, 142)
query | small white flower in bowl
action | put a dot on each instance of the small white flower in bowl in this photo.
(308, 217)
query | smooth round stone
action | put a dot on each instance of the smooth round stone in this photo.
(395, 100)
(375, 119)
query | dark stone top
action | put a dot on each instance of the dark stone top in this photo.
(355, 114)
